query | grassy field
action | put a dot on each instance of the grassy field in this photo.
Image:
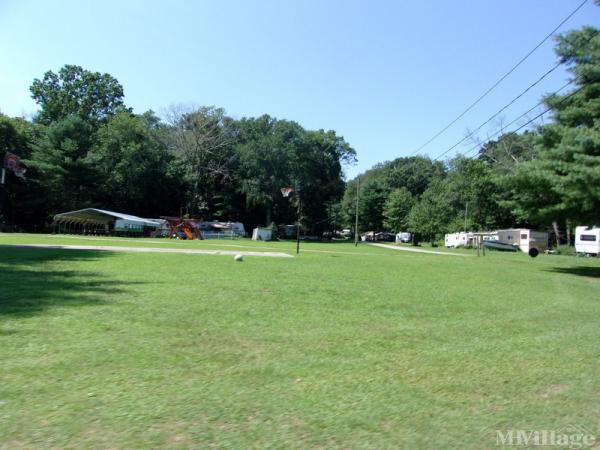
(341, 347)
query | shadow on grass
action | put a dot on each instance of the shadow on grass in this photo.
(34, 280)
(582, 271)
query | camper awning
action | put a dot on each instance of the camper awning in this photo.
(101, 217)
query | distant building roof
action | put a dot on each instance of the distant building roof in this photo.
(103, 217)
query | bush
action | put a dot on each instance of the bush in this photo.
(565, 250)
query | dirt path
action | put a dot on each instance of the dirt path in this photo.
(417, 250)
(151, 250)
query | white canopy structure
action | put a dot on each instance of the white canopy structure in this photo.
(106, 221)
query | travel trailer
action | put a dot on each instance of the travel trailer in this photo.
(461, 239)
(587, 240)
(524, 238)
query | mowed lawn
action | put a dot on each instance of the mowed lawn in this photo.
(341, 347)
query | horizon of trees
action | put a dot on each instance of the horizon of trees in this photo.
(86, 148)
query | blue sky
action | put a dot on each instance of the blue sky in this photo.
(386, 75)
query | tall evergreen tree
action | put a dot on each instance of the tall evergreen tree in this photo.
(564, 181)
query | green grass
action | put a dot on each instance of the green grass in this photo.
(341, 347)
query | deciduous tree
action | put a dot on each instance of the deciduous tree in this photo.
(91, 96)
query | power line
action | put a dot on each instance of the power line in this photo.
(490, 137)
(496, 114)
(557, 65)
(472, 105)
(537, 116)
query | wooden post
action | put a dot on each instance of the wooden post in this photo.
(298, 227)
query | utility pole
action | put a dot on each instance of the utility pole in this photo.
(356, 221)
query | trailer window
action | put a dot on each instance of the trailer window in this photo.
(523, 236)
(588, 237)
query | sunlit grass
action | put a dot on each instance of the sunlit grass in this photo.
(341, 347)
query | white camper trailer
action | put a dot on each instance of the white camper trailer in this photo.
(461, 239)
(587, 240)
(524, 238)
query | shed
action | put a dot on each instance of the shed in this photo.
(262, 234)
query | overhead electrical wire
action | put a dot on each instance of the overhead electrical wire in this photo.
(496, 114)
(482, 96)
(566, 97)
(592, 36)
(501, 130)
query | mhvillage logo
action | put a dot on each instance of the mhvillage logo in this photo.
(571, 436)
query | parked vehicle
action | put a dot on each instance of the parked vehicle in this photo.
(404, 237)
(495, 245)
(587, 240)
(524, 238)
(385, 236)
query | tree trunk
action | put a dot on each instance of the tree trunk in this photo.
(568, 224)
(556, 233)
(268, 216)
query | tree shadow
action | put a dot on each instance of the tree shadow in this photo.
(33, 280)
(582, 271)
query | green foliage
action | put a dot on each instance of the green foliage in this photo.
(429, 218)
(91, 96)
(413, 174)
(508, 151)
(11, 139)
(21, 201)
(534, 178)
(202, 142)
(268, 160)
(565, 250)
(87, 149)
(276, 153)
(563, 182)
(61, 167)
(132, 166)
(319, 170)
(471, 186)
(396, 209)
(372, 200)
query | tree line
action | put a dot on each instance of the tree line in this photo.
(548, 176)
(86, 148)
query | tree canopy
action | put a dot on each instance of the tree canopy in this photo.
(87, 149)
(91, 96)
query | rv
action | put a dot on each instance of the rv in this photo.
(587, 240)
(461, 239)
(524, 238)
